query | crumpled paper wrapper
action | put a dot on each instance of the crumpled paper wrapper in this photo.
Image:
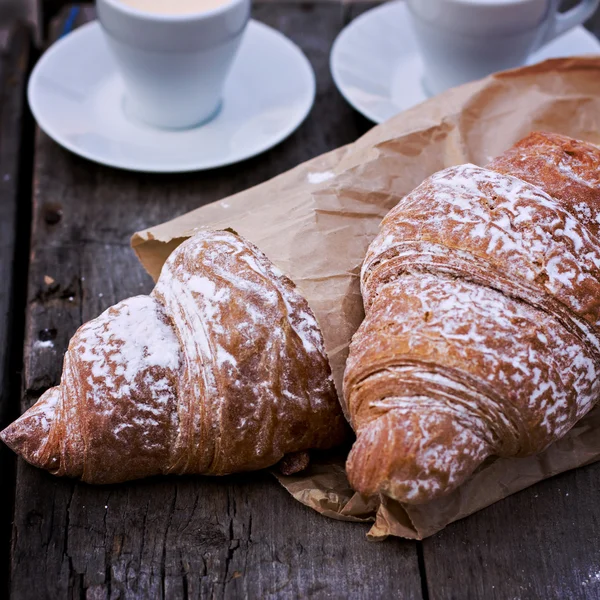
(317, 220)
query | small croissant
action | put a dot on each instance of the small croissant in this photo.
(482, 328)
(221, 369)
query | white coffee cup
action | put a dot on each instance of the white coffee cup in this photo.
(174, 66)
(463, 40)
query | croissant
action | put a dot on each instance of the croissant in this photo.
(221, 369)
(481, 336)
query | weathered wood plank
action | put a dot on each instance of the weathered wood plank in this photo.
(15, 183)
(181, 537)
(541, 543)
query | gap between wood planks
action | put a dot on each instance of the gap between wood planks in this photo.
(422, 570)
(16, 168)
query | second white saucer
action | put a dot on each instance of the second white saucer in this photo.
(377, 68)
(76, 95)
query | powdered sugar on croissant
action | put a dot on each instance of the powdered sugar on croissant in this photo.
(221, 369)
(481, 338)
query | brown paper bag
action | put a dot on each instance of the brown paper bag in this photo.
(317, 220)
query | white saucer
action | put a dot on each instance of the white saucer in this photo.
(76, 96)
(376, 66)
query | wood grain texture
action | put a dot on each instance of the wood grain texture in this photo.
(15, 183)
(543, 542)
(180, 537)
(14, 62)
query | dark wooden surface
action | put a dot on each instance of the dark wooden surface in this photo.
(15, 193)
(240, 536)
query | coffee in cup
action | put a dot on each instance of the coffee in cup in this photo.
(175, 7)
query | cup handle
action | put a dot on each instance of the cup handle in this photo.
(562, 22)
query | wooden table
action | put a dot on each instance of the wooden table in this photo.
(65, 257)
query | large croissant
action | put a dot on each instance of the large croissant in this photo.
(221, 369)
(481, 337)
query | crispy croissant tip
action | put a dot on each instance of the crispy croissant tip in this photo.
(391, 457)
(28, 435)
(294, 463)
(7, 436)
(367, 467)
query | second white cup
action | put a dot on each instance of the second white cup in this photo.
(463, 40)
(174, 66)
